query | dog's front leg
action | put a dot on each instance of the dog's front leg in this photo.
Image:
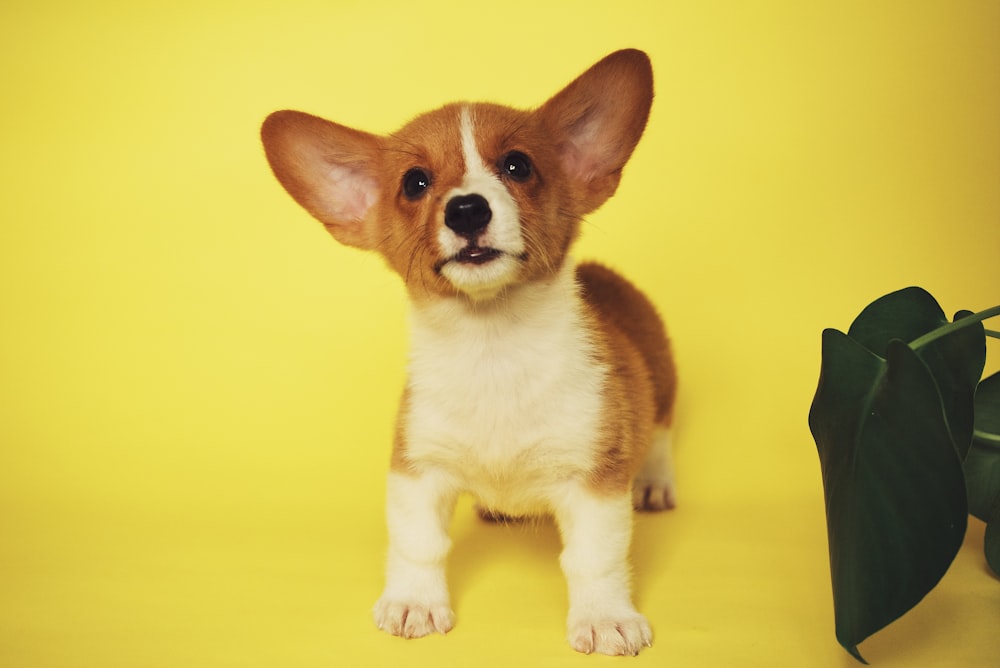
(415, 601)
(596, 532)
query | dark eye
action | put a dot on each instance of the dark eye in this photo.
(415, 182)
(516, 166)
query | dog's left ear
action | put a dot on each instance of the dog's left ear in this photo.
(330, 169)
(597, 121)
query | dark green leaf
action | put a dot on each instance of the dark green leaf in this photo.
(982, 466)
(895, 495)
(992, 540)
(988, 408)
(906, 314)
(956, 361)
(982, 478)
(983, 473)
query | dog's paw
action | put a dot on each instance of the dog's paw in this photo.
(654, 494)
(413, 620)
(617, 637)
(654, 488)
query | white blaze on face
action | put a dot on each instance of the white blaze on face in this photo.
(503, 232)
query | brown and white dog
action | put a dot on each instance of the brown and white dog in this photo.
(538, 386)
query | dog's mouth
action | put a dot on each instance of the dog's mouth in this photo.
(477, 255)
(472, 255)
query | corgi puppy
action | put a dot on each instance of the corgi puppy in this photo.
(536, 385)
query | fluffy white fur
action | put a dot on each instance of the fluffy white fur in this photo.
(527, 360)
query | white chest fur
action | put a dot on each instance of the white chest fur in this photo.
(505, 400)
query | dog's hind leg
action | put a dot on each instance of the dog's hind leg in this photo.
(654, 487)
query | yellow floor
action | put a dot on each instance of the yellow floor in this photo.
(197, 384)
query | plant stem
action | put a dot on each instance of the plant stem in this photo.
(945, 330)
(986, 438)
(994, 334)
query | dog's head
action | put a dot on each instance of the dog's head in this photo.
(470, 199)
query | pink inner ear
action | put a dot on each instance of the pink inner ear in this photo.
(347, 192)
(592, 151)
(581, 163)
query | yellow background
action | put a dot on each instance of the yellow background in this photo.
(197, 384)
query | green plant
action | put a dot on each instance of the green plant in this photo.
(909, 444)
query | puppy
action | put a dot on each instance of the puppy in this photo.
(535, 385)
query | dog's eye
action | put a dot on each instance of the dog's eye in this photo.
(415, 183)
(516, 166)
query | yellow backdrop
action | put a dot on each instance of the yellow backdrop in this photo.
(197, 384)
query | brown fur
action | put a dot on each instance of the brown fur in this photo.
(625, 308)
(640, 390)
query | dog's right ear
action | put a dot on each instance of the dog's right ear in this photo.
(596, 122)
(331, 170)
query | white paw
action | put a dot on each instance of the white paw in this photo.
(653, 494)
(623, 636)
(413, 620)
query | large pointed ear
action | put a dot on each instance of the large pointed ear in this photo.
(597, 121)
(331, 170)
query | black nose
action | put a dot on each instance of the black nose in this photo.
(467, 214)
